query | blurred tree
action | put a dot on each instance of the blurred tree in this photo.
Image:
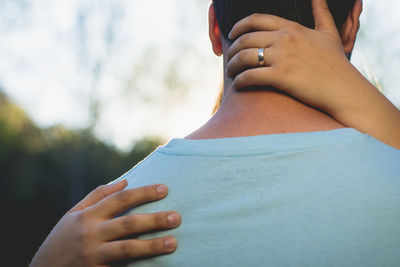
(44, 172)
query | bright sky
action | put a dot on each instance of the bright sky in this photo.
(150, 69)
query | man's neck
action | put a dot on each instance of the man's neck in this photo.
(262, 112)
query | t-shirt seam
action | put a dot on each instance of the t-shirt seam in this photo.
(260, 154)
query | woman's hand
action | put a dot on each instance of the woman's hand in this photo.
(300, 61)
(311, 66)
(88, 235)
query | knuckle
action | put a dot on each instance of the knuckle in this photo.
(238, 56)
(141, 191)
(81, 218)
(244, 40)
(101, 191)
(241, 56)
(123, 196)
(129, 223)
(145, 193)
(151, 192)
(84, 255)
(287, 37)
(160, 219)
(125, 249)
(156, 246)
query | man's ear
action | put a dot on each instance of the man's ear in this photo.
(350, 27)
(214, 32)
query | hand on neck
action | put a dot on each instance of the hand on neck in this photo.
(262, 111)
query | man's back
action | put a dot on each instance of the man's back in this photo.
(309, 199)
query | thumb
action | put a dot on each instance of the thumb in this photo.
(323, 18)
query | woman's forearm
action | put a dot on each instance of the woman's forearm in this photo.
(363, 107)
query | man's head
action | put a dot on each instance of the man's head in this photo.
(224, 14)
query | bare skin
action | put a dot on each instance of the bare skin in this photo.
(89, 235)
(309, 65)
(295, 56)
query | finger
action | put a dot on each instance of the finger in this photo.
(99, 193)
(261, 39)
(323, 18)
(255, 77)
(121, 201)
(257, 22)
(135, 249)
(138, 224)
(247, 59)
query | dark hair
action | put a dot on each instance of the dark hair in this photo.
(229, 12)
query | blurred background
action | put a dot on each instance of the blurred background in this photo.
(89, 88)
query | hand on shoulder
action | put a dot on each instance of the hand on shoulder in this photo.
(89, 235)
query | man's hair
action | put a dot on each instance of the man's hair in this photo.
(229, 12)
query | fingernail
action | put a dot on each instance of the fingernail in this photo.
(169, 243)
(161, 189)
(173, 219)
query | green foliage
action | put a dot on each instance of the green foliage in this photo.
(44, 172)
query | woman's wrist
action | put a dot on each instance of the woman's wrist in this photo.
(359, 104)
